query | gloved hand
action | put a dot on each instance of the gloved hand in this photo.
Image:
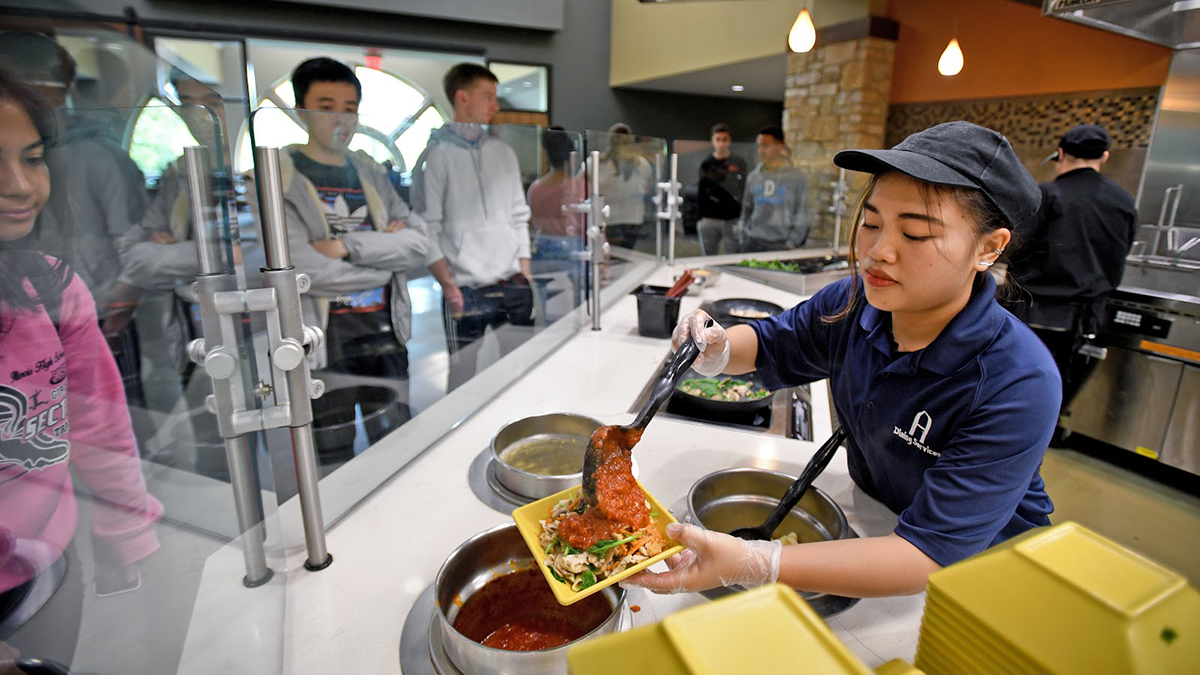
(712, 559)
(713, 344)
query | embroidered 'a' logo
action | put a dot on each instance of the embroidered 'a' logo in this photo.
(921, 421)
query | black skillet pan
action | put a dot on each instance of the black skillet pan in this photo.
(701, 403)
(724, 311)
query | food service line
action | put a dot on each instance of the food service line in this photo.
(390, 548)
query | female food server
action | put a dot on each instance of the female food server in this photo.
(949, 401)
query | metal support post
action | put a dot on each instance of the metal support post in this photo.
(596, 252)
(659, 195)
(289, 369)
(288, 341)
(223, 366)
(597, 219)
(840, 190)
(669, 211)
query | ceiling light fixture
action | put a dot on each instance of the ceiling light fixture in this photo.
(738, 87)
(951, 62)
(803, 34)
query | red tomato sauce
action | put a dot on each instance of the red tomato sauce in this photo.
(619, 499)
(518, 612)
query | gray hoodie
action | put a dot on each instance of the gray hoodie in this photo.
(165, 268)
(99, 192)
(375, 257)
(469, 192)
(152, 266)
(775, 205)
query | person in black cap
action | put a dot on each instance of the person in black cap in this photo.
(948, 400)
(1073, 253)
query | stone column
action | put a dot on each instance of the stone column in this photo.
(837, 98)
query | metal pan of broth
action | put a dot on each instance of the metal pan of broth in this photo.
(541, 455)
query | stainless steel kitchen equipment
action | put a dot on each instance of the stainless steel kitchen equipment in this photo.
(1166, 22)
(568, 430)
(730, 498)
(1145, 395)
(477, 561)
(814, 272)
(789, 414)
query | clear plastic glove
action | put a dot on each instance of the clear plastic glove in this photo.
(712, 559)
(713, 344)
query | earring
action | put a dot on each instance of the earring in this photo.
(986, 263)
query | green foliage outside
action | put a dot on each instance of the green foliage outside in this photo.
(159, 136)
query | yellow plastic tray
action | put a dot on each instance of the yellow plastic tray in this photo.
(529, 521)
(1068, 600)
(765, 630)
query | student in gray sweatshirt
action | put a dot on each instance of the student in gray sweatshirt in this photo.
(468, 189)
(775, 205)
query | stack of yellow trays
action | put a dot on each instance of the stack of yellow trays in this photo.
(1059, 602)
(766, 630)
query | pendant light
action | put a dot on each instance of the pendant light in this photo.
(803, 34)
(951, 62)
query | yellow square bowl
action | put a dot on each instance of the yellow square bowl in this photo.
(529, 521)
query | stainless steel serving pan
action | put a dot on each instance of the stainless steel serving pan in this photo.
(473, 564)
(532, 485)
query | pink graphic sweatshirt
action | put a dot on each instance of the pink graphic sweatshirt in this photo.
(62, 405)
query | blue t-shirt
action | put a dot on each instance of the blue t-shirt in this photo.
(951, 436)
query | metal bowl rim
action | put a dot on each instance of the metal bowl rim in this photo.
(536, 476)
(752, 470)
(445, 622)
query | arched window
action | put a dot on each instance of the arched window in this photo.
(394, 122)
(159, 136)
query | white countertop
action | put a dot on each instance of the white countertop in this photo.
(348, 618)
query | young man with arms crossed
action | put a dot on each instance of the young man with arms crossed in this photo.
(348, 230)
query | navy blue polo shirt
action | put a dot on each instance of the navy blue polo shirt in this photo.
(951, 436)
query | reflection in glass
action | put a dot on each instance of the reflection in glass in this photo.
(556, 225)
(62, 404)
(775, 212)
(522, 86)
(627, 181)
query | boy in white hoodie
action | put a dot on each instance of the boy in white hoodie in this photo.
(469, 193)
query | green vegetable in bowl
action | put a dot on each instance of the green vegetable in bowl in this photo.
(727, 389)
(777, 265)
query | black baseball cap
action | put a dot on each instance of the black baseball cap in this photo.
(961, 154)
(1086, 141)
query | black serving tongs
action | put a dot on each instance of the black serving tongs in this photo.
(592, 457)
(815, 466)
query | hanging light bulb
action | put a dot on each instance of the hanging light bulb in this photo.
(804, 33)
(951, 62)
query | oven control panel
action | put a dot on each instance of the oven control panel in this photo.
(1131, 321)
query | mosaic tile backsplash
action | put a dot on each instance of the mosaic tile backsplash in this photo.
(1033, 124)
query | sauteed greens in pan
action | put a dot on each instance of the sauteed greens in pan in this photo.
(727, 389)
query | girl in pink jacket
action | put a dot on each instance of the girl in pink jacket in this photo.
(61, 402)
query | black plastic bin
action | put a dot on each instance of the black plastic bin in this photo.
(657, 314)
